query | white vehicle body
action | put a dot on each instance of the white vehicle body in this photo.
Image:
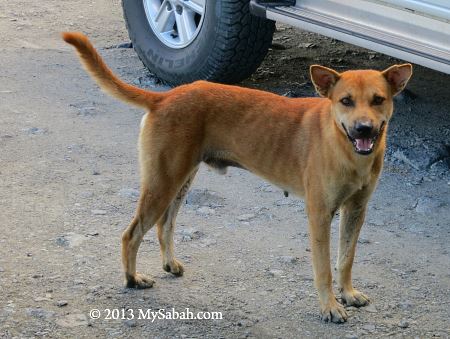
(412, 30)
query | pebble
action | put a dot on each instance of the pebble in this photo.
(403, 323)
(73, 320)
(204, 210)
(246, 217)
(276, 273)
(190, 234)
(2, 269)
(98, 212)
(427, 205)
(40, 313)
(369, 327)
(130, 193)
(35, 130)
(370, 308)
(125, 45)
(287, 259)
(130, 323)
(204, 197)
(61, 303)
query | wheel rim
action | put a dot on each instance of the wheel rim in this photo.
(175, 22)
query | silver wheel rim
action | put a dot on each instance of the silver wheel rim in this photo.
(175, 22)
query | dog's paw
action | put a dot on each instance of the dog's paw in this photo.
(333, 312)
(174, 267)
(354, 298)
(139, 281)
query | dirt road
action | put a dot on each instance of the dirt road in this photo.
(69, 183)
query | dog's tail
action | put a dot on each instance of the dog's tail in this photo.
(110, 83)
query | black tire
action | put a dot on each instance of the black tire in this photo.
(230, 46)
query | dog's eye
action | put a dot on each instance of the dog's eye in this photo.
(347, 102)
(377, 100)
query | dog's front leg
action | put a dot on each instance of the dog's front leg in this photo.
(352, 218)
(319, 229)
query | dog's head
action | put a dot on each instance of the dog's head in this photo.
(361, 101)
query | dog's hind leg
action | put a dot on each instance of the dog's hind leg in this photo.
(166, 227)
(159, 187)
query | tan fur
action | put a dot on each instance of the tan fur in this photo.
(299, 144)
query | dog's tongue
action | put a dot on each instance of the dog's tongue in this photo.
(363, 144)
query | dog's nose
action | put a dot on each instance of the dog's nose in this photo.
(364, 127)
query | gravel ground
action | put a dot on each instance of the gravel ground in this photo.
(69, 185)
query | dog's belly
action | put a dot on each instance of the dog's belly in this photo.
(221, 165)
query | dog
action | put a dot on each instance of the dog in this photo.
(327, 149)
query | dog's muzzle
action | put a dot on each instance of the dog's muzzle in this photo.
(364, 143)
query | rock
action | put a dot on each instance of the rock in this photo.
(351, 336)
(98, 212)
(61, 303)
(190, 234)
(287, 259)
(40, 313)
(130, 323)
(125, 45)
(147, 81)
(277, 46)
(204, 210)
(370, 308)
(73, 320)
(35, 131)
(204, 197)
(246, 217)
(130, 193)
(405, 305)
(276, 273)
(70, 240)
(427, 205)
(422, 156)
(403, 323)
(2, 269)
(307, 45)
(363, 241)
(369, 327)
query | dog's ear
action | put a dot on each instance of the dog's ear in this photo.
(323, 79)
(398, 76)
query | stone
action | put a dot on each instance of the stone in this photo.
(370, 308)
(369, 327)
(204, 210)
(287, 259)
(204, 197)
(61, 303)
(73, 320)
(428, 205)
(40, 313)
(70, 240)
(98, 212)
(130, 323)
(403, 323)
(130, 193)
(190, 234)
(276, 273)
(246, 217)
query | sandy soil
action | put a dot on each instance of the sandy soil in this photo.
(69, 183)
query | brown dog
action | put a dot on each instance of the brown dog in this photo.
(328, 150)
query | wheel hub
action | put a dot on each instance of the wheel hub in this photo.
(176, 23)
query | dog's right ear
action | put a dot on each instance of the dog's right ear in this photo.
(323, 79)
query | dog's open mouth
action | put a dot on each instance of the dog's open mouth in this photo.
(366, 145)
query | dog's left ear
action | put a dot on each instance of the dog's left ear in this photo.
(323, 79)
(398, 76)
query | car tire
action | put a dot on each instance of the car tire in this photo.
(229, 46)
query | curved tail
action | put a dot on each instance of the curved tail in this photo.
(110, 83)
